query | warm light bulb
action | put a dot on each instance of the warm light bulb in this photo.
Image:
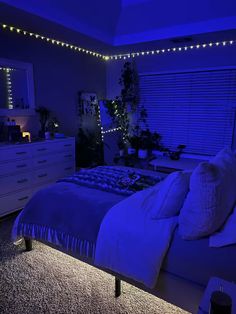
(27, 134)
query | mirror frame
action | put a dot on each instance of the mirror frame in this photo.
(28, 67)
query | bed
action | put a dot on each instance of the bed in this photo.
(186, 266)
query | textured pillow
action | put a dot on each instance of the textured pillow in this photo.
(227, 235)
(211, 197)
(171, 194)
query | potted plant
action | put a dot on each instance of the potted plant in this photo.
(145, 143)
(121, 146)
(133, 143)
(89, 148)
(128, 82)
(44, 114)
(156, 145)
(51, 128)
(175, 155)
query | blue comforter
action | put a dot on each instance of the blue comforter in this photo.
(66, 215)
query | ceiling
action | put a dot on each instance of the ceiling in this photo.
(123, 22)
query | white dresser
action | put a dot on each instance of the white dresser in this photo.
(25, 168)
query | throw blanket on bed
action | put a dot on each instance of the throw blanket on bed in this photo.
(113, 179)
(131, 243)
(67, 215)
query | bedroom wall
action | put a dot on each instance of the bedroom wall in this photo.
(194, 59)
(59, 74)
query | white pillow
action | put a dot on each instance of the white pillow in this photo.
(211, 197)
(171, 194)
(227, 235)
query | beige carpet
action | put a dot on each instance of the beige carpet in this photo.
(48, 281)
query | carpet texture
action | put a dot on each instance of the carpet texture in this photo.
(48, 281)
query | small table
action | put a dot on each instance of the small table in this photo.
(221, 285)
(165, 164)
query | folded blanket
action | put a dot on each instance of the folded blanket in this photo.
(131, 243)
(117, 180)
(66, 215)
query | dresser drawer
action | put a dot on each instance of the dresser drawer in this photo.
(53, 173)
(68, 145)
(13, 167)
(44, 160)
(68, 168)
(47, 174)
(50, 147)
(58, 157)
(15, 201)
(14, 183)
(15, 153)
(67, 156)
(41, 149)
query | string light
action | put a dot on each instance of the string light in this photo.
(52, 41)
(172, 49)
(99, 122)
(111, 130)
(123, 56)
(9, 86)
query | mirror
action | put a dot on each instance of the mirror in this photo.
(16, 88)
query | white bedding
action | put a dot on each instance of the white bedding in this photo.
(227, 235)
(131, 243)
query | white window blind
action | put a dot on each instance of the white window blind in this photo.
(193, 108)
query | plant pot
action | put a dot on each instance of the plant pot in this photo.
(47, 135)
(142, 153)
(131, 151)
(157, 153)
(121, 152)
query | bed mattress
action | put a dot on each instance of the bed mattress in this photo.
(195, 261)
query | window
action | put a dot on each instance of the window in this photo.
(192, 108)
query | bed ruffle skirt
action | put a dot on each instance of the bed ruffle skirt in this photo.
(45, 234)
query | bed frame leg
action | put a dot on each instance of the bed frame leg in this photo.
(28, 244)
(117, 287)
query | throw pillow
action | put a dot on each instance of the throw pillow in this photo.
(211, 197)
(169, 199)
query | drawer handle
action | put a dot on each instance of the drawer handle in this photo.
(42, 161)
(21, 153)
(68, 155)
(23, 198)
(67, 145)
(22, 181)
(21, 166)
(42, 175)
(68, 168)
(41, 149)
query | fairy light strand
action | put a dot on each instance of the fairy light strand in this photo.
(111, 130)
(52, 41)
(170, 50)
(7, 72)
(99, 122)
(124, 56)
